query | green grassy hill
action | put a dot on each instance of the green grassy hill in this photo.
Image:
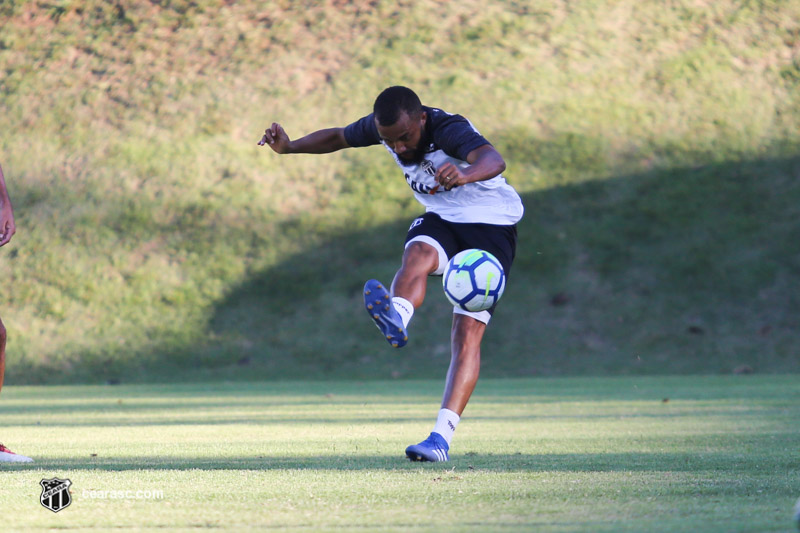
(657, 148)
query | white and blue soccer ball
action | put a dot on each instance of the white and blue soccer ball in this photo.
(474, 280)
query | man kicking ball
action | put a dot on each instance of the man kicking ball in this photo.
(7, 230)
(456, 174)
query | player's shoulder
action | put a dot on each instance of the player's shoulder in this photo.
(443, 125)
(439, 118)
(452, 133)
(362, 132)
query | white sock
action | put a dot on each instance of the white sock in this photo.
(404, 309)
(446, 424)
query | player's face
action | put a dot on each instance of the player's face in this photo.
(405, 137)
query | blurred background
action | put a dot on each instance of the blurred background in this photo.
(656, 146)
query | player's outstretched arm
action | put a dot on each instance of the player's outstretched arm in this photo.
(319, 142)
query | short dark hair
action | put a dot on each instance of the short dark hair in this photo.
(393, 101)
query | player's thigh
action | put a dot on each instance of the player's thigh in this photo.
(435, 233)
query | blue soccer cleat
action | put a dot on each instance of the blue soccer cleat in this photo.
(378, 303)
(433, 449)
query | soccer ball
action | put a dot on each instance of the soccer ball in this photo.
(474, 280)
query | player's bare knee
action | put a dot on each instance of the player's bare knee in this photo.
(467, 331)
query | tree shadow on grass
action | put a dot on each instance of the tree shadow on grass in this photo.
(691, 270)
(708, 461)
(683, 270)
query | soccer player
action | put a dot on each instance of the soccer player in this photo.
(455, 173)
(7, 230)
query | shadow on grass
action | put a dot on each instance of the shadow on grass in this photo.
(469, 461)
(683, 270)
(280, 418)
(674, 271)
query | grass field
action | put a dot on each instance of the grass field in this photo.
(556, 454)
(656, 146)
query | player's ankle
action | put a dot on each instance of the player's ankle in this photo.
(446, 424)
(404, 308)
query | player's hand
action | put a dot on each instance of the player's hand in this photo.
(7, 228)
(276, 138)
(449, 176)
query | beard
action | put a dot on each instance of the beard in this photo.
(412, 158)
